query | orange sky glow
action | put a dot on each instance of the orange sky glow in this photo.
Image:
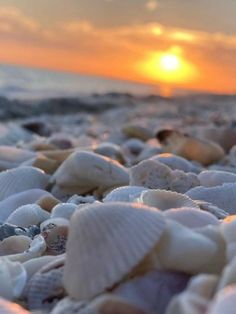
(144, 52)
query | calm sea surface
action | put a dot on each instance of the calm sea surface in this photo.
(26, 83)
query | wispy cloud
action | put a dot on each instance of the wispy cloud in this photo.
(152, 5)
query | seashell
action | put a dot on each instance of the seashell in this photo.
(61, 141)
(153, 291)
(46, 164)
(210, 178)
(11, 157)
(36, 249)
(191, 217)
(84, 172)
(148, 152)
(163, 199)
(20, 179)
(224, 301)
(124, 194)
(177, 242)
(110, 150)
(70, 306)
(12, 134)
(78, 199)
(53, 223)
(63, 210)
(44, 289)
(14, 245)
(137, 131)
(133, 146)
(83, 263)
(13, 275)
(7, 230)
(155, 175)
(216, 211)
(27, 215)
(189, 147)
(59, 155)
(176, 162)
(47, 202)
(56, 240)
(222, 196)
(7, 307)
(196, 297)
(228, 276)
(228, 230)
(35, 264)
(8, 205)
(216, 264)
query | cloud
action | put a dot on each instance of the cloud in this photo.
(152, 5)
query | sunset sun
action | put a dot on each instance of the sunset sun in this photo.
(170, 63)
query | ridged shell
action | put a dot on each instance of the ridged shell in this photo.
(222, 196)
(20, 179)
(63, 210)
(224, 302)
(124, 194)
(116, 232)
(27, 215)
(210, 178)
(8, 205)
(84, 172)
(7, 307)
(163, 199)
(191, 217)
(13, 279)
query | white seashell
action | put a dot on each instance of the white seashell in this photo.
(148, 152)
(210, 178)
(124, 194)
(53, 222)
(191, 217)
(119, 232)
(70, 306)
(14, 245)
(20, 179)
(13, 278)
(12, 134)
(224, 302)
(63, 210)
(176, 162)
(27, 215)
(163, 199)
(228, 230)
(153, 291)
(8, 205)
(228, 276)
(7, 307)
(84, 172)
(222, 196)
(203, 285)
(179, 242)
(214, 210)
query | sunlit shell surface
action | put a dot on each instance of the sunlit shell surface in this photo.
(7, 307)
(124, 194)
(103, 232)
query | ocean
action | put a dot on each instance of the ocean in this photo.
(17, 82)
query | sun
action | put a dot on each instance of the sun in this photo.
(170, 63)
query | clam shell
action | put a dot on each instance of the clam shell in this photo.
(124, 194)
(27, 215)
(54, 222)
(191, 217)
(7, 307)
(20, 179)
(84, 172)
(47, 202)
(210, 178)
(163, 199)
(14, 245)
(114, 231)
(224, 302)
(8, 205)
(222, 196)
(63, 210)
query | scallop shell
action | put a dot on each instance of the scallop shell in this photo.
(8, 205)
(7, 307)
(210, 178)
(63, 210)
(224, 302)
(13, 275)
(163, 199)
(124, 194)
(153, 291)
(14, 245)
(114, 234)
(191, 217)
(179, 242)
(27, 215)
(222, 196)
(20, 179)
(191, 148)
(176, 162)
(84, 172)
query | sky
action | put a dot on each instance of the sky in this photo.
(188, 44)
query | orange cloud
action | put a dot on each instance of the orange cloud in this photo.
(115, 52)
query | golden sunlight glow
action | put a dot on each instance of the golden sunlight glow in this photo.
(167, 67)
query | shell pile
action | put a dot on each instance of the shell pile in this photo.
(120, 212)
